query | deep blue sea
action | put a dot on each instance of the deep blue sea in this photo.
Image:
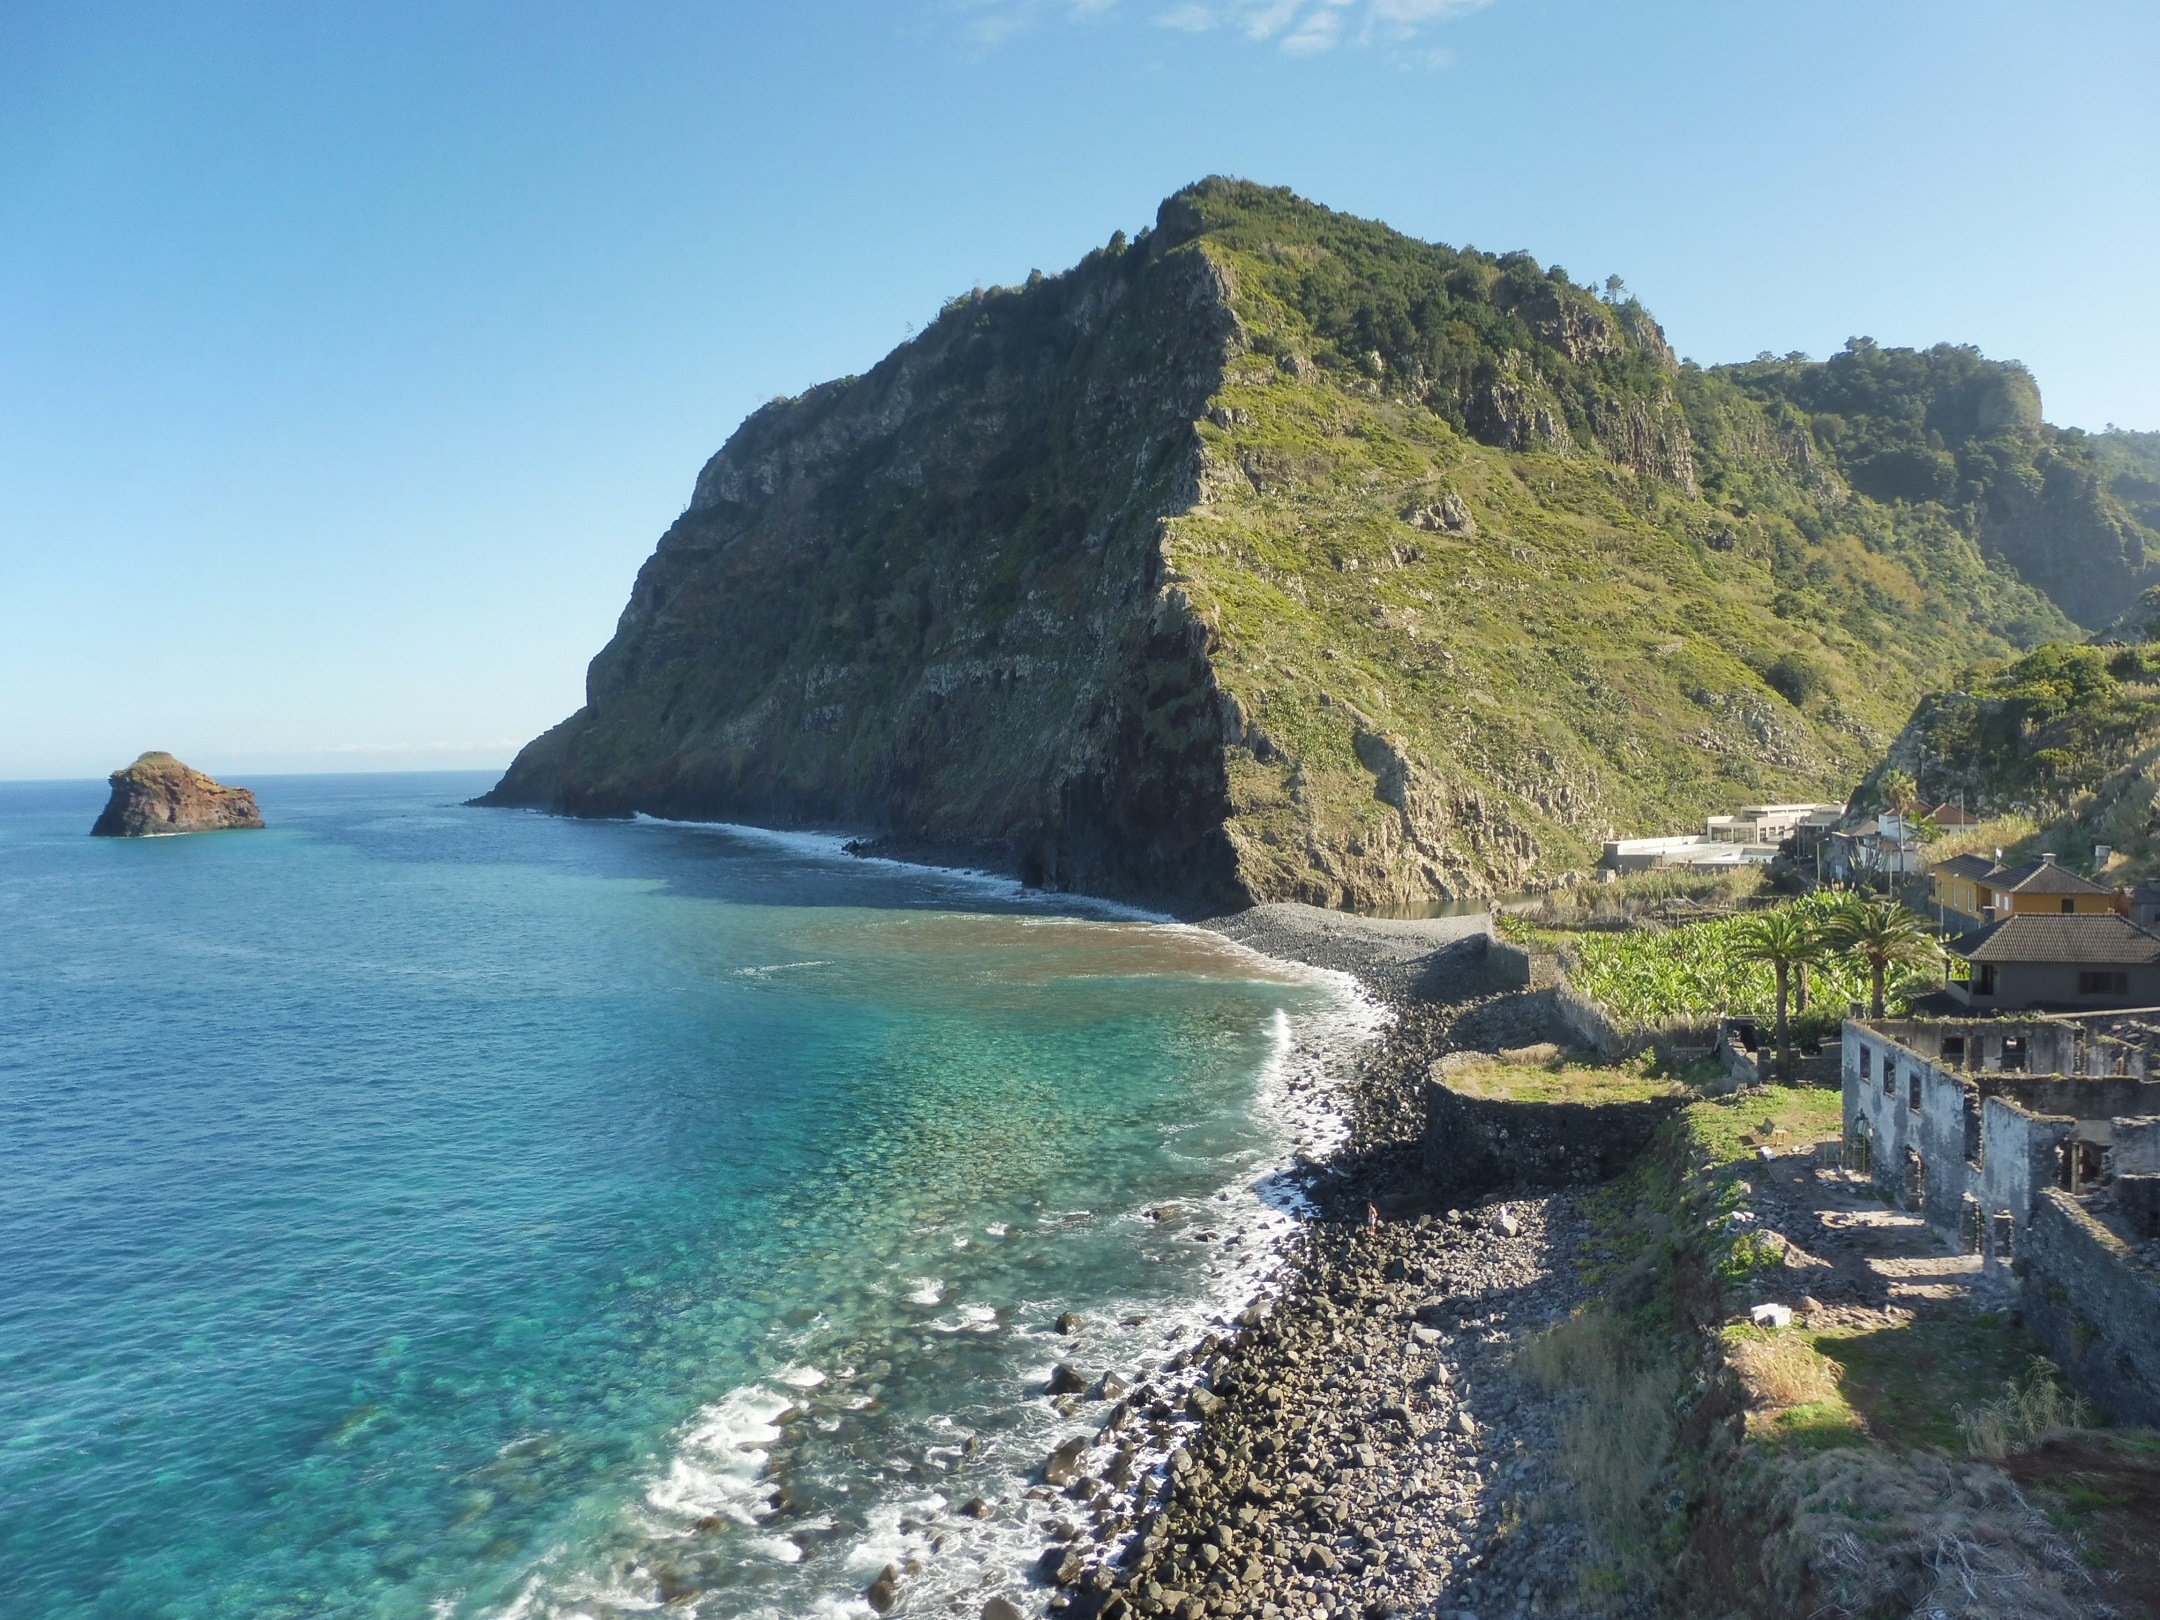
(420, 1211)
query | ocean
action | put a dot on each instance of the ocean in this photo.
(420, 1211)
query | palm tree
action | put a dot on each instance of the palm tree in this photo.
(1899, 791)
(1787, 939)
(1882, 933)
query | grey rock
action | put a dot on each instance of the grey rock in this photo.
(884, 1592)
(1065, 1463)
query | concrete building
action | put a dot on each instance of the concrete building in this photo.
(1751, 835)
(1768, 824)
(2036, 1143)
(2066, 962)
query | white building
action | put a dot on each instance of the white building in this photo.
(1751, 835)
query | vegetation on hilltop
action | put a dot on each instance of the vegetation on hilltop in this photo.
(1276, 554)
(1947, 435)
(2067, 736)
(1488, 576)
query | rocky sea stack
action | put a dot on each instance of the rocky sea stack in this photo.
(158, 795)
(1273, 554)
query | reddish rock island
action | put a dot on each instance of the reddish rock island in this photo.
(157, 795)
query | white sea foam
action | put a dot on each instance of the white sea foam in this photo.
(770, 968)
(721, 1463)
(832, 847)
(717, 1468)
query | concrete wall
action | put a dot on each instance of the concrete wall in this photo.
(2095, 1307)
(2137, 1146)
(1509, 967)
(1944, 1130)
(1966, 1120)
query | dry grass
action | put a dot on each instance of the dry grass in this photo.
(2004, 833)
(1866, 1534)
(2029, 1410)
(1781, 1369)
(1615, 1442)
(1668, 895)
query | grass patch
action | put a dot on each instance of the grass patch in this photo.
(2029, 1408)
(1615, 1442)
(1564, 1079)
(1729, 1129)
(1913, 1385)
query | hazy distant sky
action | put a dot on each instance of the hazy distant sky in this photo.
(354, 353)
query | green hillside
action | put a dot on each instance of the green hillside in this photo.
(1274, 553)
(1949, 436)
(1489, 575)
(2066, 735)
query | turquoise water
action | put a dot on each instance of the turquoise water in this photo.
(420, 1211)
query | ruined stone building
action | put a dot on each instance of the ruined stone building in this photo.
(2036, 1143)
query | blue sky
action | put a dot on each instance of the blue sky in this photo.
(353, 355)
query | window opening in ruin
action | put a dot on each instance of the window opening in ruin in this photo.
(1889, 1076)
(2079, 1165)
(2013, 1052)
(1953, 1050)
(1912, 1091)
(1866, 1072)
(1915, 1180)
(2005, 1236)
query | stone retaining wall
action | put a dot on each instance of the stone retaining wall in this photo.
(2095, 1307)
(1475, 1146)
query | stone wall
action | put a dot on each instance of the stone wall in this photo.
(2095, 1307)
(1475, 1146)
(2023, 1157)
(1510, 967)
(1927, 1127)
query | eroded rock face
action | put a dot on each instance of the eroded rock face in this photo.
(157, 795)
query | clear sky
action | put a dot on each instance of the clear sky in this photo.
(353, 356)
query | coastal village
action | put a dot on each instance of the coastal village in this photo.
(927, 821)
(1852, 1110)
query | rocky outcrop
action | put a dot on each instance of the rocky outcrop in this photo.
(158, 795)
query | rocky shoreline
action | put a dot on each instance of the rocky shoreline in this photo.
(1361, 1444)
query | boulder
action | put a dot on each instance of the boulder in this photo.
(157, 795)
(884, 1592)
(1065, 1463)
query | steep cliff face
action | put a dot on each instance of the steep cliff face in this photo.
(930, 602)
(158, 795)
(1273, 554)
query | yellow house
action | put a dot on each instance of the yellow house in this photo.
(1977, 887)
